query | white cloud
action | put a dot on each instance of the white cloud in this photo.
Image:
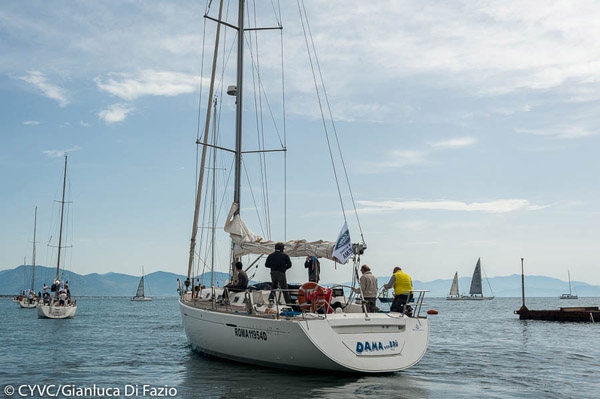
(129, 86)
(457, 142)
(60, 153)
(49, 90)
(403, 158)
(31, 123)
(497, 206)
(506, 111)
(566, 132)
(115, 113)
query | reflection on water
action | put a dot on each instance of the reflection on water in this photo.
(212, 378)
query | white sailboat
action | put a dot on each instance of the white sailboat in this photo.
(140, 293)
(322, 328)
(476, 289)
(454, 292)
(29, 301)
(58, 305)
(570, 295)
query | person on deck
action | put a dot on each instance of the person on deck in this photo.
(368, 287)
(402, 284)
(242, 280)
(314, 268)
(62, 297)
(279, 262)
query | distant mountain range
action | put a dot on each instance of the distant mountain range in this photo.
(162, 284)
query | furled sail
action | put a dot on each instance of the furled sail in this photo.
(245, 242)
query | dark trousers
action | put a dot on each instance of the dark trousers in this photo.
(371, 304)
(278, 280)
(399, 301)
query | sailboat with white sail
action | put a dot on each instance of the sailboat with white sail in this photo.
(140, 295)
(59, 305)
(454, 292)
(476, 289)
(570, 295)
(28, 301)
(318, 327)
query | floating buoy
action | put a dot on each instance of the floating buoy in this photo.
(432, 311)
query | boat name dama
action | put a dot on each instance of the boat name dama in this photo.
(367, 346)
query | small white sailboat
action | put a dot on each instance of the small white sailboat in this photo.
(58, 305)
(454, 292)
(476, 289)
(318, 328)
(570, 295)
(140, 293)
(29, 301)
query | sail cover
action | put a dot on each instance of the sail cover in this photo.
(246, 242)
(476, 288)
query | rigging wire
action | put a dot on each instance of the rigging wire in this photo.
(304, 17)
(199, 129)
(259, 120)
(284, 119)
(312, 55)
(262, 104)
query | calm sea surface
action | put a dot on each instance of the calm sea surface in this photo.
(476, 350)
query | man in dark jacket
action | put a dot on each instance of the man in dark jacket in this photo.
(279, 262)
(314, 268)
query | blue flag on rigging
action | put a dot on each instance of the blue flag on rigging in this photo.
(343, 245)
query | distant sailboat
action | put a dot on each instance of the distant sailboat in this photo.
(476, 290)
(570, 295)
(454, 293)
(139, 295)
(61, 306)
(29, 301)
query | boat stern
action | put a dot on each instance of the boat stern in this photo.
(375, 343)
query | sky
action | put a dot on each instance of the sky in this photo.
(469, 130)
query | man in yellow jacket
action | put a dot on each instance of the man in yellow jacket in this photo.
(402, 284)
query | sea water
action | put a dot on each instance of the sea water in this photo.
(118, 348)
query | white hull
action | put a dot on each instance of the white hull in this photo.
(568, 296)
(24, 303)
(141, 299)
(56, 311)
(346, 342)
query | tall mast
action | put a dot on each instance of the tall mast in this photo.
(239, 105)
(203, 160)
(33, 254)
(62, 212)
